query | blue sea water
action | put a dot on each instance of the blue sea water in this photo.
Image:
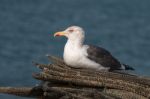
(27, 27)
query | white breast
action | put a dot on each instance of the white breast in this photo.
(75, 56)
(71, 54)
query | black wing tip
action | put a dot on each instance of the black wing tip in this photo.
(127, 67)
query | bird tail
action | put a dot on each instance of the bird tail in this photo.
(127, 67)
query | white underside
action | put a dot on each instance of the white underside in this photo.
(77, 57)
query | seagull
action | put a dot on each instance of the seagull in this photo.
(78, 55)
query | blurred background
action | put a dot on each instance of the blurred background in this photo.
(27, 27)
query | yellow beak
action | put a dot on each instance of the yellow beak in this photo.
(59, 34)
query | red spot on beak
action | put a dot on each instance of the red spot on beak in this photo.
(59, 34)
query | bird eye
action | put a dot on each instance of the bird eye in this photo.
(71, 30)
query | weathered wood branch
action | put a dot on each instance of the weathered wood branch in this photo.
(60, 81)
(23, 91)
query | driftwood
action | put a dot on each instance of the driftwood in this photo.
(59, 81)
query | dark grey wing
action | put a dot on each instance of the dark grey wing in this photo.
(103, 57)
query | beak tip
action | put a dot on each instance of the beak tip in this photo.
(56, 35)
(59, 34)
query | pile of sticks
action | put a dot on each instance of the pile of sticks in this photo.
(59, 81)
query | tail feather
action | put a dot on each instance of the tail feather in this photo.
(127, 67)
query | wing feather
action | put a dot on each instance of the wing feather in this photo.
(103, 57)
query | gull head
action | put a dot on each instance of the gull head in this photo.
(72, 33)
